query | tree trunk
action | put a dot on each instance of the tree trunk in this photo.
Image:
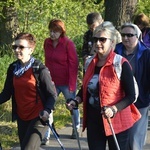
(119, 11)
(8, 26)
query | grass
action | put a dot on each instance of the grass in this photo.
(8, 134)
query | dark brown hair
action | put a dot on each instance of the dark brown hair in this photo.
(93, 17)
(142, 19)
(26, 36)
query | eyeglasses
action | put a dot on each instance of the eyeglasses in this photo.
(127, 34)
(100, 39)
(14, 47)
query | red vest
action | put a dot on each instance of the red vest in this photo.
(111, 92)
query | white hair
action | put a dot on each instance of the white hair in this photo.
(135, 27)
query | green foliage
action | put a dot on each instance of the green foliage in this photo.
(8, 134)
(4, 3)
(33, 17)
(5, 60)
(61, 114)
(143, 7)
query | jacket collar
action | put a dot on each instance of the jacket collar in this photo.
(140, 48)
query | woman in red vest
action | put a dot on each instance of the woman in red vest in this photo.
(107, 92)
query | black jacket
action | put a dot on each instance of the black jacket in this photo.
(47, 87)
(87, 43)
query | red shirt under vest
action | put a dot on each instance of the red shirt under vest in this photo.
(28, 105)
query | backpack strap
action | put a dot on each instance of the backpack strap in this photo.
(37, 67)
(117, 62)
(87, 62)
(36, 70)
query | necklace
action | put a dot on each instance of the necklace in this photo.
(131, 58)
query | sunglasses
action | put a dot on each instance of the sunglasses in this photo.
(14, 47)
(100, 39)
(127, 34)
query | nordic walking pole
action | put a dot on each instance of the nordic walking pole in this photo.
(54, 133)
(75, 129)
(111, 127)
(112, 130)
(73, 121)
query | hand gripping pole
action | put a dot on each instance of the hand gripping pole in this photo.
(54, 133)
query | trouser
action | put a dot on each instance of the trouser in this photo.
(67, 94)
(31, 133)
(96, 135)
(139, 131)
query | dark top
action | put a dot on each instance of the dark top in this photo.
(146, 36)
(126, 79)
(87, 43)
(46, 84)
(142, 72)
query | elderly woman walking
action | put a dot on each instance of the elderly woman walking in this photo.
(106, 95)
(138, 55)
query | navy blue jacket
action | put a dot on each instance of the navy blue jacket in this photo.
(142, 72)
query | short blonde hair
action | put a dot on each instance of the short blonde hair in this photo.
(109, 28)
